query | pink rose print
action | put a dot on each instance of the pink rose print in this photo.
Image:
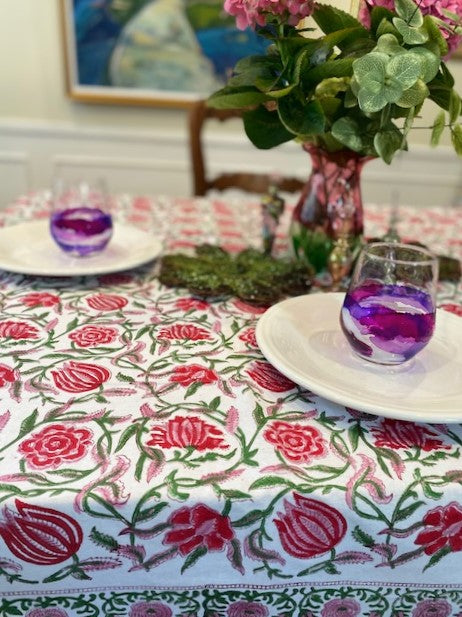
(266, 376)
(40, 298)
(309, 527)
(38, 535)
(80, 376)
(442, 528)
(198, 526)
(55, 445)
(17, 330)
(188, 332)
(248, 336)
(150, 609)
(297, 443)
(182, 432)
(106, 302)
(92, 336)
(345, 607)
(46, 612)
(247, 609)
(249, 308)
(432, 608)
(452, 308)
(191, 304)
(187, 375)
(396, 434)
(7, 375)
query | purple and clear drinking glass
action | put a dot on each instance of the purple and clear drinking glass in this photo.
(80, 222)
(388, 314)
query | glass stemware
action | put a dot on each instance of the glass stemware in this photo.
(388, 314)
(80, 223)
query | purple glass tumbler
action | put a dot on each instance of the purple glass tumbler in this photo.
(388, 314)
(80, 223)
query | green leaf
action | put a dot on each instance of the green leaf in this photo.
(413, 96)
(193, 388)
(331, 19)
(332, 86)
(331, 68)
(301, 118)
(236, 98)
(370, 71)
(362, 537)
(191, 559)
(250, 518)
(129, 432)
(385, 27)
(436, 557)
(371, 102)
(430, 63)
(435, 36)
(409, 511)
(405, 68)
(346, 131)
(409, 12)
(269, 482)
(28, 423)
(456, 138)
(438, 128)
(104, 540)
(387, 143)
(411, 36)
(265, 129)
(454, 106)
(388, 44)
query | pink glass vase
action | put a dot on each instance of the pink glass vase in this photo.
(330, 205)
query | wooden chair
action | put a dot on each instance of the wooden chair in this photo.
(260, 183)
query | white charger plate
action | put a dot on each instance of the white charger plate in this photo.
(28, 248)
(302, 338)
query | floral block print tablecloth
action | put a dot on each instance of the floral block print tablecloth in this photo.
(153, 463)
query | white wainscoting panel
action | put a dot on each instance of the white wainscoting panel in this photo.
(157, 162)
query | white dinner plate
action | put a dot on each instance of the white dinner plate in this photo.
(28, 248)
(302, 338)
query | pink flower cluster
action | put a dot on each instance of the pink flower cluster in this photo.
(428, 7)
(257, 12)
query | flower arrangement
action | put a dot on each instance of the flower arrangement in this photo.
(359, 85)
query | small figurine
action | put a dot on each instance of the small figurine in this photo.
(272, 208)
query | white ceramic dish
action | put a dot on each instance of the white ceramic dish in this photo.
(302, 338)
(28, 248)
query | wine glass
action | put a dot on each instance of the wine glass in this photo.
(80, 223)
(388, 314)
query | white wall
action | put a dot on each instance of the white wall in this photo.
(141, 149)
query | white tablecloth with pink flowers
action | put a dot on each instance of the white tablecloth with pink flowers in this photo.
(153, 463)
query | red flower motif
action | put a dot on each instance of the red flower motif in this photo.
(452, 308)
(106, 302)
(187, 375)
(248, 336)
(242, 608)
(191, 304)
(183, 432)
(396, 434)
(296, 442)
(40, 298)
(266, 376)
(54, 445)
(442, 528)
(80, 376)
(92, 336)
(40, 535)
(198, 526)
(7, 375)
(17, 330)
(249, 308)
(309, 527)
(184, 331)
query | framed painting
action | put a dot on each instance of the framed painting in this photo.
(150, 52)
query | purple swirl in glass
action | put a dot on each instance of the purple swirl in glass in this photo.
(388, 324)
(81, 231)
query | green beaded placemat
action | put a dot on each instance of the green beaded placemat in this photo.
(250, 275)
